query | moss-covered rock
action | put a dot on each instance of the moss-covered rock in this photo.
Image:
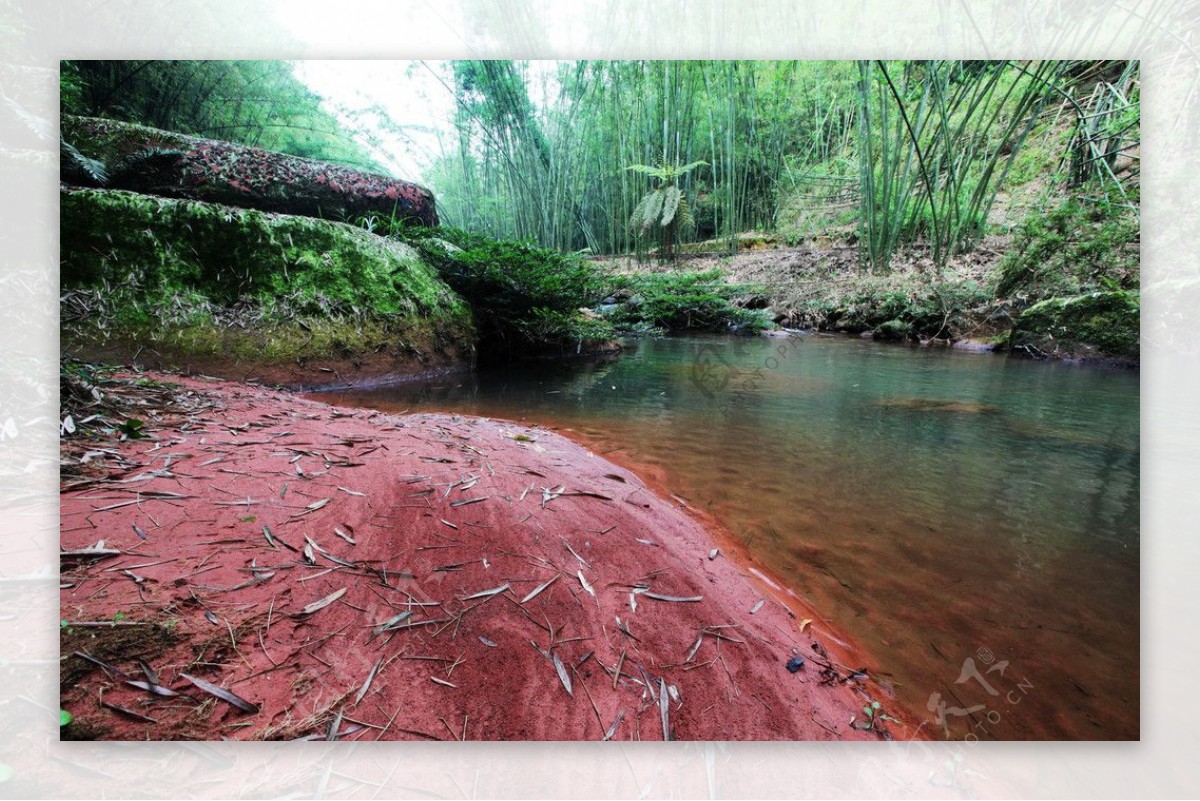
(208, 281)
(1100, 325)
(893, 331)
(169, 164)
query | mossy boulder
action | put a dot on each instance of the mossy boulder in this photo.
(1098, 325)
(893, 331)
(121, 155)
(208, 281)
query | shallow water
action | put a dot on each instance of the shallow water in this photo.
(939, 506)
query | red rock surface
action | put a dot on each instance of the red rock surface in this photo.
(455, 521)
(169, 164)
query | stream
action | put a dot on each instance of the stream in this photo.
(970, 520)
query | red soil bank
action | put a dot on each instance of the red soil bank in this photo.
(455, 522)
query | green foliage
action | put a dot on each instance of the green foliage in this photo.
(874, 715)
(680, 301)
(70, 87)
(897, 307)
(1107, 124)
(1076, 246)
(258, 103)
(817, 199)
(664, 208)
(525, 299)
(64, 718)
(537, 145)
(935, 143)
(132, 429)
(914, 150)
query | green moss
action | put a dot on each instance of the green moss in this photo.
(1098, 323)
(213, 279)
(893, 331)
(697, 300)
(897, 306)
(527, 300)
(169, 247)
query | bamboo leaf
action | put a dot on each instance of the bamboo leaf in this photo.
(537, 590)
(220, 692)
(317, 606)
(563, 676)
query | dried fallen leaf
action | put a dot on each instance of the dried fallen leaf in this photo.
(367, 684)
(757, 606)
(584, 582)
(535, 592)
(674, 598)
(664, 709)
(151, 688)
(486, 593)
(312, 507)
(223, 694)
(392, 622)
(317, 606)
(90, 553)
(563, 676)
(805, 623)
(608, 735)
(107, 668)
(129, 712)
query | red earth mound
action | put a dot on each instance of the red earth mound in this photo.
(272, 568)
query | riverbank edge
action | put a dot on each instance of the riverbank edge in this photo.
(683, 523)
(820, 289)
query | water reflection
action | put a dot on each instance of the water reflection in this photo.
(933, 503)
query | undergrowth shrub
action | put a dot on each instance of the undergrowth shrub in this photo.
(691, 300)
(1080, 245)
(526, 300)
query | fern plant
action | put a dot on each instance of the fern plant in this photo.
(664, 208)
(80, 167)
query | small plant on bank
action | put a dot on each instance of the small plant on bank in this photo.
(874, 716)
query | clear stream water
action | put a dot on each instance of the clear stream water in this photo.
(972, 521)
